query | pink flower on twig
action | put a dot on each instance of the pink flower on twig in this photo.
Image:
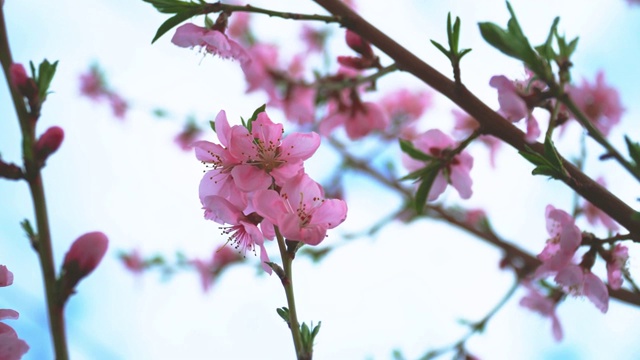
(211, 41)
(454, 171)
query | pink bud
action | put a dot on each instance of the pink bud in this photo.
(49, 142)
(359, 45)
(6, 276)
(22, 82)
(86, 252)
(83, 257)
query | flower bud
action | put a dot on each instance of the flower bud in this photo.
(25, 85)
(49, 142)
(359, 45)
(81, 259)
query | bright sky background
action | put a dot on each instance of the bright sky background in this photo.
(404, 289)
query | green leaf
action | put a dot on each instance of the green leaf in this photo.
(546, 50)
(408, 148)
(43, 77)
(547, 164)
(284, 313)
(315, 330)
(254, 116)
(430, 174)
(172, 22)
(213, 125)
(634, 151)
(28, 229)
(441, 48)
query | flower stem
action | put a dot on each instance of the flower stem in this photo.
(287, 283)
(33, 176)
(219, 7)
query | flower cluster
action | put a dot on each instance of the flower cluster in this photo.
(576, 279)
(258, 187)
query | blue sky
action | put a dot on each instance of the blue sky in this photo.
(406, 288)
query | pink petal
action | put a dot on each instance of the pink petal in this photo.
(221, 210)
(596, 291)
(438, 187)
(6, 276)
(556, 328)
(571, 277)
(331, 213)
(269, 205)
(188, 35)
(299, 146)
(8, 314)
(250, 178)
(223, 130)
(461, 181)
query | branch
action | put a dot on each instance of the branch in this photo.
(491, 122)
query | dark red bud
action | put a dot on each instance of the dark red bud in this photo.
(49, 142)
(25, 85)
(355, 62)
(359, 45)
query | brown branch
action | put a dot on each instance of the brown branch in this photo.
(491, 122)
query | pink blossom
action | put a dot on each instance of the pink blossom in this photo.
(299, 105)
(258, 73)
(565, 237)
(595, 215)
(404, 108)
(94, 86)
(212, 41)
(599, 102)
(300, 210)
(513, 107)
(243, 233)
(314, 38)
(239, 25)
(465, 125)
(454, 171)
(210, 269)
(544, 306)
(11, 347)
(359, 118)
(133, 261)
(6, 276)
(616, 265)
(580, 281)
(266, 156)
(190, 132)
(219, 180)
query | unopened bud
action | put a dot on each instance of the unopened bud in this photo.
(25, 85)
(83, 257)
(359, 45)
(49, 142)
(356, 62)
